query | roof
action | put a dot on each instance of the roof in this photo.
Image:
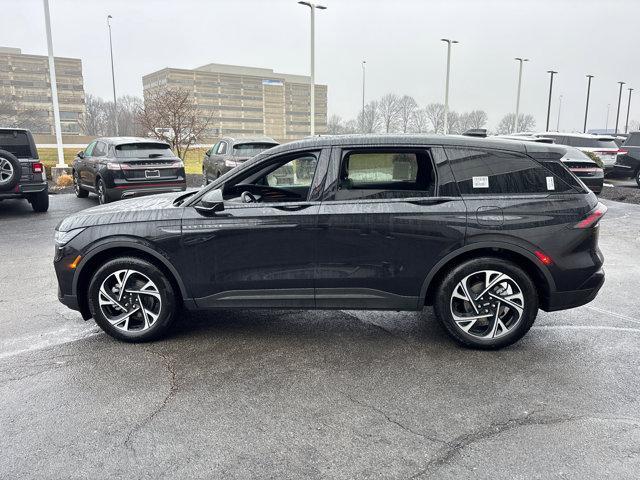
(575, 135)
(123, 140)
(417, 140)
(248, 139)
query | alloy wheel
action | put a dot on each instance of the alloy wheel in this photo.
(102, 198)
(487, 304)
(6, 171)
(76, 184)
(130, 300)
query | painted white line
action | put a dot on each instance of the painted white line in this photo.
(52, 339)
(586, 327)
(614, 314)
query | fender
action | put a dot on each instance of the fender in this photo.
(134, 244)
(484, 245)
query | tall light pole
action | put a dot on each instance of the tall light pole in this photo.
(559, 110)
(446, 87)
(113, 77)
(586, 109)
(552, 72)
(54, 86)
(515, 122)
(312, 8)
(606, 123)
(364, 63)
(618, 111)
(626, 125)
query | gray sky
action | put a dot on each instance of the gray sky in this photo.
(399, 39)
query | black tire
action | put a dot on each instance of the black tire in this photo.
(638, 177)
(10, 172)
(40, 201)
(101, 191)
(168, 307)
(205, 180)
(79, 191)
(444, 300)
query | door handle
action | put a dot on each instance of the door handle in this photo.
(291, 208)
(432, 201)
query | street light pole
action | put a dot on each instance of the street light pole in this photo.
(559, 110)
(626, 125)
(446, 88)
(521, 60)
(552, 72)
(312, 7)
(364, 63)
(606, 123)
(113, 77)
(586, 109)
(618, 111)
(54, 86)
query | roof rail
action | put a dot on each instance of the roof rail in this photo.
(475, 132)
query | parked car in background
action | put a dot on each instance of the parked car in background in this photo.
(123, 167)
(230, 152)
(628, 164)
(578, 162)
(526, 138)
(22, 175)
(486, 231)
(603, 146)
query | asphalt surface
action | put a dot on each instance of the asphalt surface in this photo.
(254, 394)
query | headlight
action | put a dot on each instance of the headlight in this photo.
(230, 163)
(62, 238)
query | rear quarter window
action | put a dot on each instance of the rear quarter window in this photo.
(499, 172)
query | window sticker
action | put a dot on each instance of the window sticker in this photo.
(550, 184)
(481, 182)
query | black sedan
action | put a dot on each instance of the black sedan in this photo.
(587, 170)
(122, 167)
(230, 152)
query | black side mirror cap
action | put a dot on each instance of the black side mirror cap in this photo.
(210, 203)
(80, 154)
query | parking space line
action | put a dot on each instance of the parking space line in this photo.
(614, 314)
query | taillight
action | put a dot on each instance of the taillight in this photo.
(621, 152)
(37, 167)
(593, 217)
(177, 164)
(113, 166)
(585, 169)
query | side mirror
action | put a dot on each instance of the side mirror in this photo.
(80, 154)
(211, 203)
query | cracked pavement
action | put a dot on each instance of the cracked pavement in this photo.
(282, 394)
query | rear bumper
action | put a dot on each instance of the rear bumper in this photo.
(575, 298)
(131, 190)
(24, 189)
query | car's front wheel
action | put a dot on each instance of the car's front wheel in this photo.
(638, 177)
(78, 190)
(487, 303)
(132, 300)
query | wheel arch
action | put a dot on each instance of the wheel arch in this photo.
(526, 260)
(97, 256)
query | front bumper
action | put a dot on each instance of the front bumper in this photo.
(575, 298)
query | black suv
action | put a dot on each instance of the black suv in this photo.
(122, 167)
(628, 163)
(21, 173)
(487, 231)
(230, 152)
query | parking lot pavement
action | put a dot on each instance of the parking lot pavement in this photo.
(256, 394)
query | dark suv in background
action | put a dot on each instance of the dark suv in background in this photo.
(123, 167)
(230, 152)
(486, 231)
(628, 164)
(22, 175)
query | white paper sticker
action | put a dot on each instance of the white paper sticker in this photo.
(480, 182)
(550, 184)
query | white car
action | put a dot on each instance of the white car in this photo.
(603, 146)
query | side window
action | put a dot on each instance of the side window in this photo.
(497, 172)
(89, 150)
(295, 173)
(100, 150)
(213, 149)
(222, 148)
(385, 174)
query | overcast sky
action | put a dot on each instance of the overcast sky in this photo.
(399, 39)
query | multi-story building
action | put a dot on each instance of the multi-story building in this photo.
(248, 100)
(25, 85)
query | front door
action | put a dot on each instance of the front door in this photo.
(388, 216)
(261, 249)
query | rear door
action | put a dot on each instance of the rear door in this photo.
(388, 216)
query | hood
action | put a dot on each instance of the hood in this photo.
(143, 209)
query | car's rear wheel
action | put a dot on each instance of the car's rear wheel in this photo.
(40, 201)
(638, 177)
(205, 180)
(132, 300)
(487, 303)
(79, 191)
(101, 191)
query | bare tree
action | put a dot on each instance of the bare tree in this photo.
(14, 114)
(419, 121)
(95, 120)
(389, 107)
(525, 123)
(172, 115)
(128, 106)
(350, 126)
(454, 126)
(369, 120)
(472, 120)
(335, 125)
(407, 106)
(435, 115)
(634, 125)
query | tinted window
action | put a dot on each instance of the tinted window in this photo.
(251, 149)
(633, 140)
(371, 175)
(143, 150)
(498, 172)
(17, 143)
(586, 142)
(100, 150)
(222, 148)
(89, 150)
(295, 173)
